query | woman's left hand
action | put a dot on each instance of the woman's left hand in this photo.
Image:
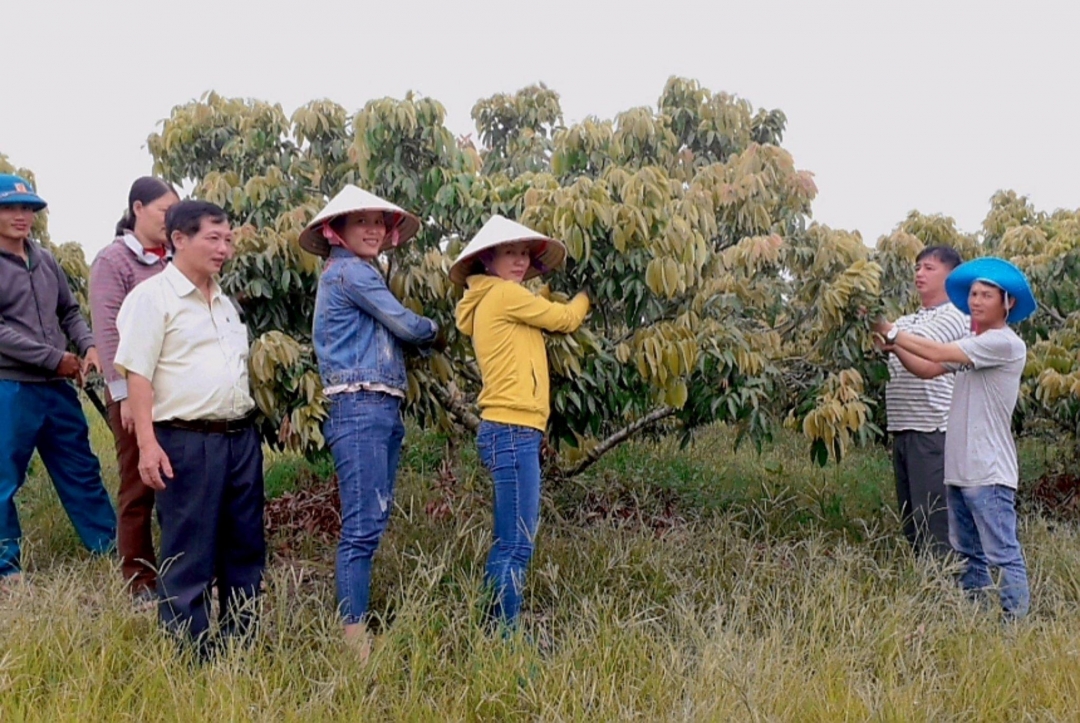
(440, 343)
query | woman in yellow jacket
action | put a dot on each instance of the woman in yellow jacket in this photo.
(505, 321)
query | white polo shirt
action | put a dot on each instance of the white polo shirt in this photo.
(195, 354)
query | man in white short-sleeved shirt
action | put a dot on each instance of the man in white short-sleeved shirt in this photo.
(981, 451)
(184, 350)
(981, 471)
(918, 409)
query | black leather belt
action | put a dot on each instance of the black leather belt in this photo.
(211, 426)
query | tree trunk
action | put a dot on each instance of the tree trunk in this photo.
(465, 416)
(616, 439)
(468, 419)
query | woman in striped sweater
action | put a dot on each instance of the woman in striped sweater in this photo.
(139, 251)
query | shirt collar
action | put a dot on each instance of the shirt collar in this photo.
(182, 285)
(142, 255)
(32, 254)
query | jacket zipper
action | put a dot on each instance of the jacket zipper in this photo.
(37, 304)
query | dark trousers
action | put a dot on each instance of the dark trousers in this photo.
(919, 463)
(135, 503)
(48, 416)
(211, 516)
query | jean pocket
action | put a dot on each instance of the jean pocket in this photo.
(483, 448)
(497, 443)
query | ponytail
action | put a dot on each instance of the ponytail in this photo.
(126, 223)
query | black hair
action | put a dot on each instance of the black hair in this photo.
(145, 190)
(187, 217)
(945, 254)
(482, 263)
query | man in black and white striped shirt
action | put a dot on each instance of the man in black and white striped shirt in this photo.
(918, 409)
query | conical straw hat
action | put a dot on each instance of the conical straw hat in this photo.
(349, 200)
(549, 252)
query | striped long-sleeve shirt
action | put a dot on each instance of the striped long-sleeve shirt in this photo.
(922, 405)
(118, 269)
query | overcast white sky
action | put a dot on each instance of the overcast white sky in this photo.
(929, 105)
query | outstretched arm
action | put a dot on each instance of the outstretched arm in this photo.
(526, 307)
(930, 350)
(367, 289)
(917, 365)
(921, 348)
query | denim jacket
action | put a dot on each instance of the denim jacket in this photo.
(360, 327)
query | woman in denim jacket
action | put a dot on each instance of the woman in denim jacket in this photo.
(359, 333)
(506, 321)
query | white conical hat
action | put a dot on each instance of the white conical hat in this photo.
(500, 230)
(349, 200)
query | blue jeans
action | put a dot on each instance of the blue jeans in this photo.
(982, 528)
(48, 416)
(512, 455)
(364, 431)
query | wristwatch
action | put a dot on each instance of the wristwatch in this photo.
(890, 335)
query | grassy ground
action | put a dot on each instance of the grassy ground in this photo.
(670, 584)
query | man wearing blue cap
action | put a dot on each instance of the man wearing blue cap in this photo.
(41, 409)
(981, 470)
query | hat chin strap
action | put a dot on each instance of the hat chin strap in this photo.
(331, 235)
(996, 285)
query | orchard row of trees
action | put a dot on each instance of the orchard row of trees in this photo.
(716, 296)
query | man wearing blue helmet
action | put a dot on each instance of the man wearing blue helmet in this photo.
(40, 407)
(981, 471)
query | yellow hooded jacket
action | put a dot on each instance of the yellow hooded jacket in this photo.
(505, 321)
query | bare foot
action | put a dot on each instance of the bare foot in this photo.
(10, 582)
(358, 638)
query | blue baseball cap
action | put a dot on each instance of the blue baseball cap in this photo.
(16, 189)
(996, 272)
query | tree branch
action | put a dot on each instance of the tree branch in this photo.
(1052, 312)
(471, 371)
(792, 324)
(456, 407)
(616, 439)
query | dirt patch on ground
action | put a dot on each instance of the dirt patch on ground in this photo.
(309, 516)
(1056, 495)
(656, 511)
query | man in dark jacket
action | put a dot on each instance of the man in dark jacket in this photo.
(41, 409)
